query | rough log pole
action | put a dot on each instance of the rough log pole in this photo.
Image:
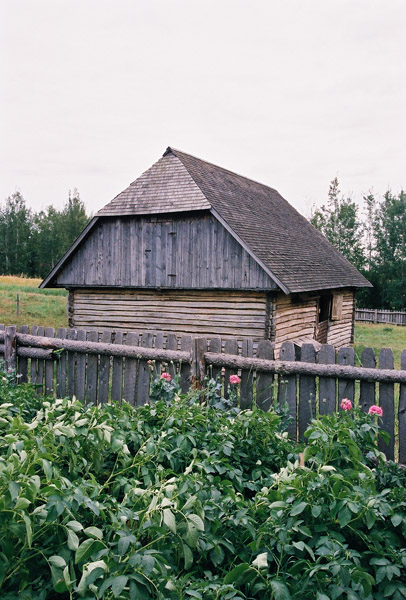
(289, 368)
(87, 347)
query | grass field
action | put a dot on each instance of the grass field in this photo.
(36, 307)
(48, 308)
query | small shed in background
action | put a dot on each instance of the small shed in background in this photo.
(192, 248)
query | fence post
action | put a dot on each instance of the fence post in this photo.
(10, 347)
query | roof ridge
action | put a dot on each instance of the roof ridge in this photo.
(175, 151)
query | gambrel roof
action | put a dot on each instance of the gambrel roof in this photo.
(295, 255)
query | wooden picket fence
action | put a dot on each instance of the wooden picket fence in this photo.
(110, 366)
(372, 315)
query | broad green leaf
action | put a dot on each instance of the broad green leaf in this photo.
(57, 561)
(298, 508)
(28, 529)
(396, 519)
(118, 585)
(320, 596)
(187, 556)
(299, 545)
(14, 489)
(22, 503)
(277, 504)
(189, 502)
(237, 574)
(280, 590)
(192, 534)
(316, 510)
(197, 521)
(93, 532)
(344, 516)
(74, 525)
(73, 540)
(261, 561)
(194, 594)
(169, 520)
(86, 549)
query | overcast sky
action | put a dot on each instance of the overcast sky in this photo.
(290, 93)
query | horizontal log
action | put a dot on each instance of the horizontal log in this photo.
(85, 347)
(303, 368)
(38, 353)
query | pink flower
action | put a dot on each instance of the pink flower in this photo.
(375, 410)
(346, 404)
(166, 376)
(235, 379)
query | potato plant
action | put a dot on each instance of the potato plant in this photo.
(180, 499)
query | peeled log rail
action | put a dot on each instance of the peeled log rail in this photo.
(85, 347)
(292, 368)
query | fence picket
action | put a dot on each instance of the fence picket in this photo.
(287, 389)
(22, 361)
(327, 385)
(71, 335)
(230, 347)
(367, 393)
(247, 376)
(264, 380)
(92, 371)
(346, 356)
(40, 367)
(117, 376)
(143, 370)
(215, 346)
(307, 391)
(130, 371)
(80, 387)
(49, 367)
(61, 367)
(34, 362)
(387, 403)
(104, 371)
(185, 376)
(172, 344)
(402, 413)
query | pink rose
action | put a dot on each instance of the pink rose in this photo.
(166, 376)
(235, 379)
(346, 404)
(375, 410)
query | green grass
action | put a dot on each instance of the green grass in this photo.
(37, 307)
(377, 337)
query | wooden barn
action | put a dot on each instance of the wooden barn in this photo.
(192, 248)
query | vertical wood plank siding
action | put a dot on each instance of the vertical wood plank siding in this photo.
(180, 312)
(163, 252)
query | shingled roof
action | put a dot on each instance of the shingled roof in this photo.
(291, 250)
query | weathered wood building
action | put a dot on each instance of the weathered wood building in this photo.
(192, 248)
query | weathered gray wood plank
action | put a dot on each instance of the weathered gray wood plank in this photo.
(91, 371)
(367, 388)
(80, 387)
(61, 368)
(346, 356)
(22, 368)
(215, 346)
(172, 344)
(327, 385)
(144, 372)
(117, 376)
(247, 377)
(230, 347)
(307, 391)
(71, 335)
(130, 372)
(387, 403)
(34, 362)
(40, 367)
(49, 367)
(104, 371)
(185, 371)
(402, 413)
(265, 381)
(287, 391)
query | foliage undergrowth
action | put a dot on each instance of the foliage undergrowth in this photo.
(180, 499)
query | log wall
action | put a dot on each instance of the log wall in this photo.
(192, 252)
(183, 313)
(294, 321)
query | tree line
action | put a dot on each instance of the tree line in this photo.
(372, 239)
(32, 242)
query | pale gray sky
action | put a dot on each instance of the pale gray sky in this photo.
(290, 93)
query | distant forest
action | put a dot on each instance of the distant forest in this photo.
(372, 239)
(32, 242)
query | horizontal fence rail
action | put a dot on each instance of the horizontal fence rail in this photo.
(371, 315)
(108, 366)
